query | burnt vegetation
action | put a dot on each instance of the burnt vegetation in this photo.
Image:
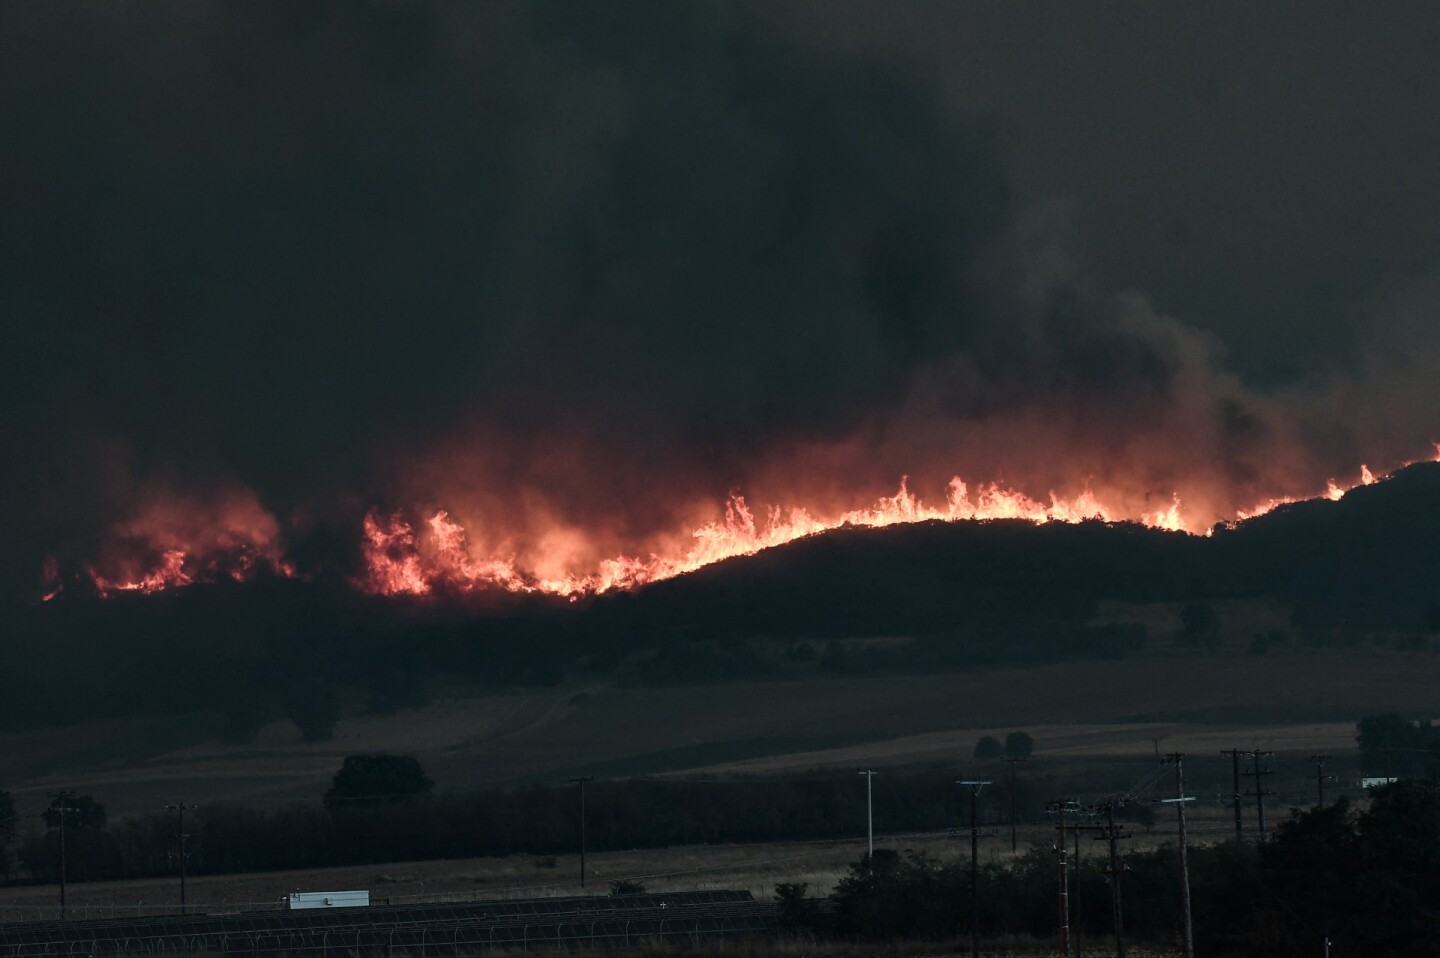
(854, 601)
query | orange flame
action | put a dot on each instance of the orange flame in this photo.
(176, 541)
(401, 564)
(188, 542)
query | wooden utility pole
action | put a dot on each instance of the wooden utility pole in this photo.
(1075, 899)
(1260, 791)
(581, 782)
(1178, 759)
(183, 838)
(1235, 754)
(1063, 883)
(1320, 761)
(63, 807)
(1014, 804)
(974, 787)
(1112, 835)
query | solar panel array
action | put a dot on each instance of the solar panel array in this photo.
(536, 924)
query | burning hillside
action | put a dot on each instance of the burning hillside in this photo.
(178, 542)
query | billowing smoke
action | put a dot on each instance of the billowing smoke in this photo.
(574, 274)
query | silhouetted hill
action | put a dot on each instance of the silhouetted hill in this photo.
(961, 593)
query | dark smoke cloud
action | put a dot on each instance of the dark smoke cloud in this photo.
(558, 255)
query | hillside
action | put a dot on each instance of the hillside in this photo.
(863, 641)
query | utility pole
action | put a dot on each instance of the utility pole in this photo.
(179, 810)
(1320, 761)
(1014, 805)
(1064, 878)
(1235, 754)
(1113, 835)
(869, 774)
(63, 807)
(1075, 898)
(581, 782)
(1178, 758)
(1078, 923)
(1260, 791)
(974, 787)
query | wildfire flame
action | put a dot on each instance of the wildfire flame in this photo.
(177, 542)
(398, 562)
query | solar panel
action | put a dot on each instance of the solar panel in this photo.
(531, 924)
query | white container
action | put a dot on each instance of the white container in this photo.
(329, 899)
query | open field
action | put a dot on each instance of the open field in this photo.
(754, 867)
(1088, 711)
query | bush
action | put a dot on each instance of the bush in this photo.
(797, 913)
(626, 887)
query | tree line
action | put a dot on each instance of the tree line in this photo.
(1367, 881)
(384, 808)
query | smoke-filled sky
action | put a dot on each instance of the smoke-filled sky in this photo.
(574, 272)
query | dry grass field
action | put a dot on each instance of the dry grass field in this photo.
(1082, 712)
(755, 867)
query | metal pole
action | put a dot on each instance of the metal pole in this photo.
(869, 814)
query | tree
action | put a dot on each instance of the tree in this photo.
(988, 749)
(367, 780)
(1399, 745)
(1019, 745)
(79, 811)
(888, 896)
(91, 853)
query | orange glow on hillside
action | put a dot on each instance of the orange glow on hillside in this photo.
(400, 562)
(177, 541)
